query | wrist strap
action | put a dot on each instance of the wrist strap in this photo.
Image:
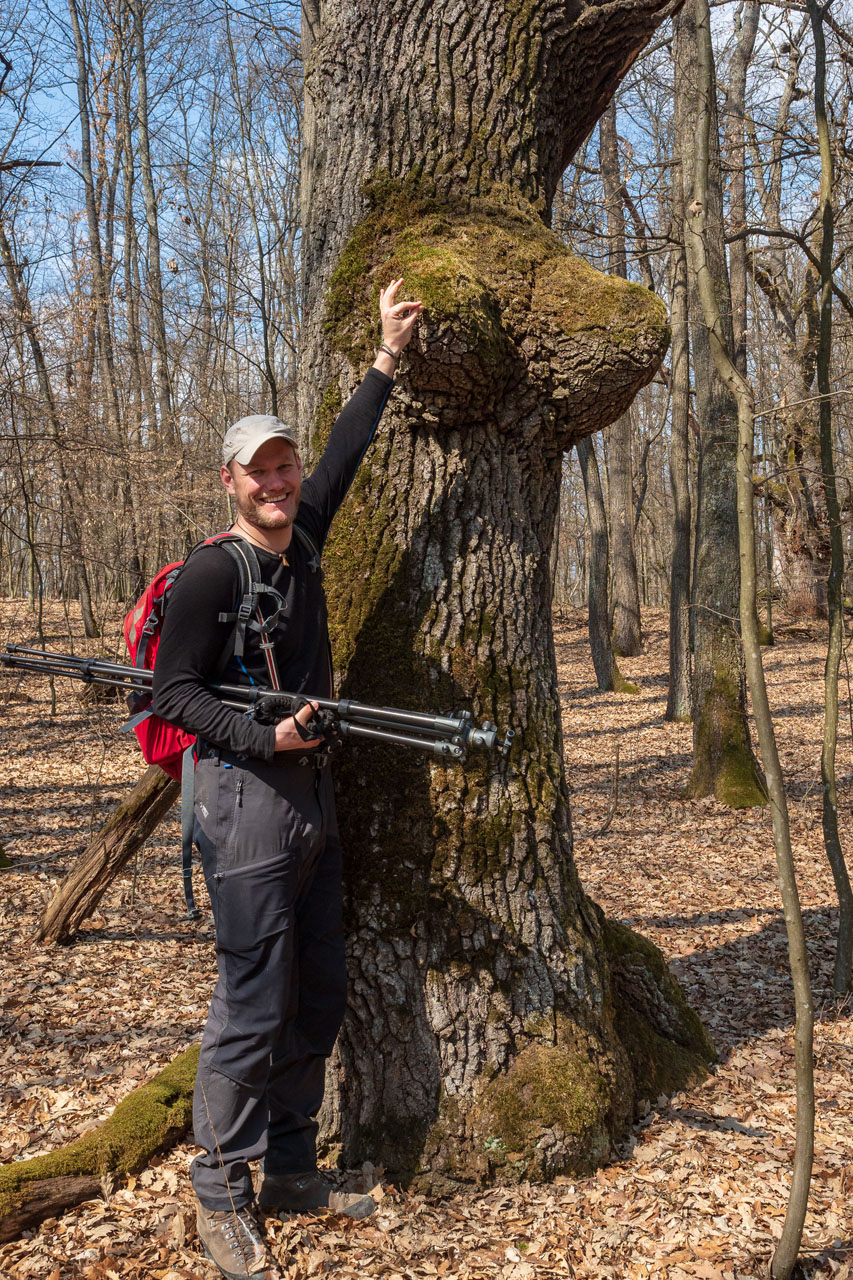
(395, 355)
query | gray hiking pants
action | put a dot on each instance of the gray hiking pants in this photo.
(272, 863)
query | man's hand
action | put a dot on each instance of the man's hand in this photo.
(287, 735)
(398, 323)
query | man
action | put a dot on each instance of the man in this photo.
(265, 823)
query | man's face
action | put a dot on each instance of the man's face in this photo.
(268, 488)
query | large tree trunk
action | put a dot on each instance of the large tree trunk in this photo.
(627, 629)
(124, 832)
(723, 762)
(486, 1032)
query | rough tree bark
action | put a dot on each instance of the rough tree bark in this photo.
(124, 832)
(723, 762)
(625, 602)
(498, 1026)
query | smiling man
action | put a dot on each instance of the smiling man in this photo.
(265, 822)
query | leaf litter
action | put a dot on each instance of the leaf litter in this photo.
(700, 1187)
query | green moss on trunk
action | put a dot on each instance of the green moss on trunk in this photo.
(723, 761)
(476, 264)
(570, 1094)
(666, 1042)
(550, 1091)
(620, 684)
(765, 635)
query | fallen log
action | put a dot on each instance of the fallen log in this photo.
(124, 832)
(148, 1121)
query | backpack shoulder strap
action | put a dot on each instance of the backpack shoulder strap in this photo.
(248, 614)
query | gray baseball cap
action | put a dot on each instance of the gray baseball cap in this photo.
(244, 439)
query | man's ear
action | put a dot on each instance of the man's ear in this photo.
(227, 479)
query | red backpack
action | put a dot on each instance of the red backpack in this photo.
(163, 743)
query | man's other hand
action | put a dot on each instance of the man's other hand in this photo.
(287, 737)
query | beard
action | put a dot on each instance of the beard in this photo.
(253, 513)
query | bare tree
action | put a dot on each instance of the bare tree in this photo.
(720, 336)
(723, 762)
(843, 971)
(625, 603)
(607, 671)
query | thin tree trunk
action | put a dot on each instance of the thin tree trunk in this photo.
(155, 278)
(723, 762)
(843, 971)
(100, 285)
(124, 832)
(100, 274)
(607, 673)
(23, 311)
(625, 601)
(746, 23)
(678, 702)
(244, 114)
(800, 521)
(787, 1249)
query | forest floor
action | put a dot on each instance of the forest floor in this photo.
(700, 1188)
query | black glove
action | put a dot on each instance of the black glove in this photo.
(323, 724)
(272, 709)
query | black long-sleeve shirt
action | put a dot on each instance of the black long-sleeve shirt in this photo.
(193, 638)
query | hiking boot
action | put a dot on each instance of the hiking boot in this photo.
(232, 1240)
(307, 1192)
